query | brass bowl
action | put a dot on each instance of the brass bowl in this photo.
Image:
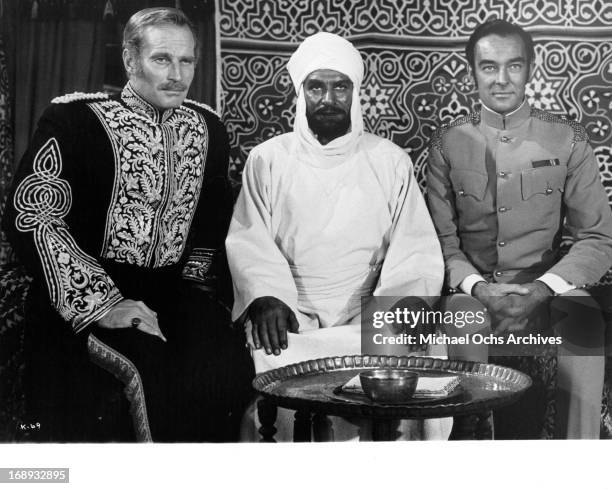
(389, 385)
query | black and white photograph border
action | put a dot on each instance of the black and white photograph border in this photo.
(416, 78)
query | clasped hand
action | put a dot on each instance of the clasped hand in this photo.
(122, 314)
(271, 319)
(511, 305)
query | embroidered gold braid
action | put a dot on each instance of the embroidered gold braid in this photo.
(159, 168)
(79, 288)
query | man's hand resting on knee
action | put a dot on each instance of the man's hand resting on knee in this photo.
(131, 314)
(271, 319)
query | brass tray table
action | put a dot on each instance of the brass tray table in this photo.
(311, 388)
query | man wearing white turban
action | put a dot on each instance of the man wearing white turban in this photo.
(327, 213)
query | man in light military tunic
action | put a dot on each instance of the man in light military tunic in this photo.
(120, 211)
(501, 182)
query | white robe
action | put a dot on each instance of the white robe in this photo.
(320, 232)
(319, 235)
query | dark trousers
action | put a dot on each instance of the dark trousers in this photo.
(192, 388)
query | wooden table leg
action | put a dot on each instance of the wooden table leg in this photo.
(266, 411)
(385, 429)
(484, 426)
(472, 427)
(302, 426)
(464, 427)
(322, 428)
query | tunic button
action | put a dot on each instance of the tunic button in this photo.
(549, 191)
(502, 174)
(502, 209)
(498, 274)
(505, 139)
(462, 192)
(502, 243)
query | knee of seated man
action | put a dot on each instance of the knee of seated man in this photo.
(603, 295)
(145, 351)
(578, 318)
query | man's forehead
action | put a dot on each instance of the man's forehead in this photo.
(494, 47)
(326, 75)
(168, 36)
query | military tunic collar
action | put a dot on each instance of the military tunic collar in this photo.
(507, 121)
(142, 107)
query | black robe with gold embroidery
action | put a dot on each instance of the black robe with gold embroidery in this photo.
(116, 200)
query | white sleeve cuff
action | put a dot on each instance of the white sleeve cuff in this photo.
(556, 283)
(468, 283)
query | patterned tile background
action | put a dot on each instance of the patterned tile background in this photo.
(416, 73)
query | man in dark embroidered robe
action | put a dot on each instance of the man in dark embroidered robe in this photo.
(120, 211)
(500, 184)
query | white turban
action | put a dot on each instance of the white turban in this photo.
(326, 51)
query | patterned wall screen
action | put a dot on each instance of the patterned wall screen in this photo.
(416, 75)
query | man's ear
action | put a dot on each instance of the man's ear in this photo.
(129, 63)
(531, 70)
(471, 77)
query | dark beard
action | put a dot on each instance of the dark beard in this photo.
(328, 128)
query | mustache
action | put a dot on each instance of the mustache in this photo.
(174, 86)
(329, 111)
